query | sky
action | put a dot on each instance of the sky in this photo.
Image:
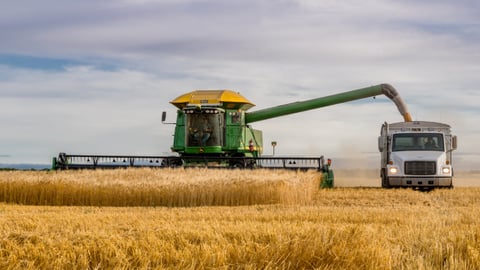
(93, 77)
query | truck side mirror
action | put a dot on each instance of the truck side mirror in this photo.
(164, 116)
(381, 143)
(454, 142)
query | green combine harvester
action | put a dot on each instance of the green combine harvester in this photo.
(213, 129)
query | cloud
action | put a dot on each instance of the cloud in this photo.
(255, 29)
(81, 109)
(95, 75)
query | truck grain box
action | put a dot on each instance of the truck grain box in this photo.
(416, 154)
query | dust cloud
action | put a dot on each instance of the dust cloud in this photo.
(357, 178)
(467, 179)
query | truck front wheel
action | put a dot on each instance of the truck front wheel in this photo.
(384, 177)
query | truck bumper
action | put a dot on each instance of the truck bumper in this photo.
(421, 182)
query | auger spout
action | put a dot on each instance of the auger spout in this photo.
(295, 107)
(392, 93)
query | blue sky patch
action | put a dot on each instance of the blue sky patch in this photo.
(46, 63)
(32, 62)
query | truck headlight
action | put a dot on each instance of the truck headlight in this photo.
(446, 170)
(393, 170)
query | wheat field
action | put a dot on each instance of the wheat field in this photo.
(286, 222)
(157, 187)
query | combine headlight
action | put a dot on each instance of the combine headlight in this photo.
(446, 170)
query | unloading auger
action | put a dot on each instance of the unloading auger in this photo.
(381, 89)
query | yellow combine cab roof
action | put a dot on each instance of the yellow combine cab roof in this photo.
(226, 99)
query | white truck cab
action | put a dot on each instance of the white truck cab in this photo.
(416, 154)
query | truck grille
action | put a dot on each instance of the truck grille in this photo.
(420, 167)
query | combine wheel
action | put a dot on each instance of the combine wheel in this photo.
(172, 162)
(237, 164)
(250, 163)
(243, 163)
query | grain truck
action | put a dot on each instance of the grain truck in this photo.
(416, 154)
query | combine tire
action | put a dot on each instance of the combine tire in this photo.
(172, 162)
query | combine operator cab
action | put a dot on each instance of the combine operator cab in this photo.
(204, 128)
(212, 123)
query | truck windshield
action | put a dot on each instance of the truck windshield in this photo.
(204, 129)
(418, 142)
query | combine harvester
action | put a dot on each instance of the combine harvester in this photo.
(213, 129)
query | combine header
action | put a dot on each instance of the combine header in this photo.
(65, 161)
(213, 129)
